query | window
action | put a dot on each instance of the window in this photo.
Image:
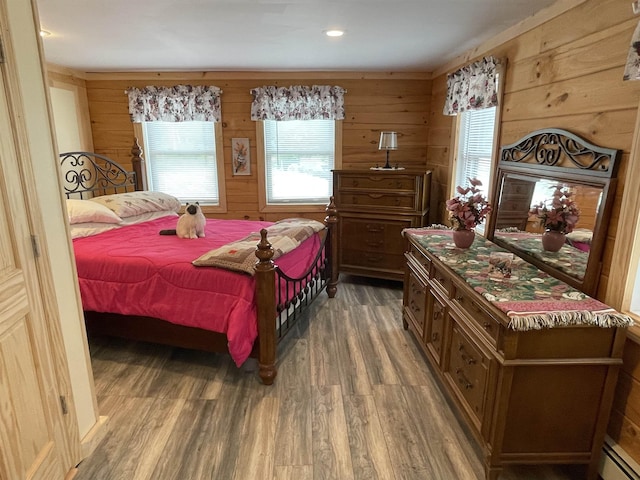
(298, 158)
(475, 148)
(182, 160)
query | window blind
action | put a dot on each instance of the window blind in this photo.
(299, 157)
(181, 160)
(475, 147)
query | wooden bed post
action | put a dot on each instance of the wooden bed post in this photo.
(266, 309)
(137, 163)
(331, 221)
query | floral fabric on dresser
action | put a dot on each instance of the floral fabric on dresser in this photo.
(531, 298)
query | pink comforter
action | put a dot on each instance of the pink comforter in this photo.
(135, 271)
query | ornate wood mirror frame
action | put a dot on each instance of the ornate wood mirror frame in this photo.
(529, 171)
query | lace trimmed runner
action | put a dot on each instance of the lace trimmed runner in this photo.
(531, 298)
(240, 256)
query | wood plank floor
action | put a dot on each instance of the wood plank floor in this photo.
(354, 400)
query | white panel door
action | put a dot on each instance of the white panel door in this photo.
(30, 411)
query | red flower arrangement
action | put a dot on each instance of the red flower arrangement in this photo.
(469, 208)
(559, 214)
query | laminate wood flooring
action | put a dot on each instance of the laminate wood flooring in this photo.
(354, 400)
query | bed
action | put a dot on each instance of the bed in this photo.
(231, 291)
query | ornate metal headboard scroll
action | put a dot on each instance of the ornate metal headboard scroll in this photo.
(561, 150)
(87, 174)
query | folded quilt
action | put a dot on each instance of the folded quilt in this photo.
(284, 236)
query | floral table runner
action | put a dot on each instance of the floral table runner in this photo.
(531, 298)
(568, 259)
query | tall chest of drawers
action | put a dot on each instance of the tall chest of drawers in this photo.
(374, 207)
(528, 396)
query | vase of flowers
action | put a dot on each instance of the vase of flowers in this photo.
(558, 216)
(467, 210)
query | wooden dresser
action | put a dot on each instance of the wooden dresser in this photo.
(374, 206)
(529, 397)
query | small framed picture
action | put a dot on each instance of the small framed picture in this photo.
(241, 159)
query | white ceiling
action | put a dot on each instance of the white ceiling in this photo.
(208, 35)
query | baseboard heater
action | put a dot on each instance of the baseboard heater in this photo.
(616, 463)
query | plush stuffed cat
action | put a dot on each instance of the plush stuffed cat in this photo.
(190, 224)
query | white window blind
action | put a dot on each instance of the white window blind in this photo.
(475, 147)
(181, 160)
(299, 157)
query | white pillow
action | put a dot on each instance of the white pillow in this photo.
(145, 217)
(80, 230)
(84, 211)
(135, 203)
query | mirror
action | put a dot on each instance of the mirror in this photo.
(554, 180)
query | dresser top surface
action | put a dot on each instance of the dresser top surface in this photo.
(529, 297)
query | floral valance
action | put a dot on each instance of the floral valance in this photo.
(473, 87)
(318, 102)
(180, 103)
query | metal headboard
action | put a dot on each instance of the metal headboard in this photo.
(89, 174)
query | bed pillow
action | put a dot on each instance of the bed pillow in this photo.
(136, 203)
(145, 217)
(81, 230)
(84, 211)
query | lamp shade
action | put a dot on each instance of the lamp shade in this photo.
(388, 141)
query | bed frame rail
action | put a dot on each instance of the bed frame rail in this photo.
(286, 304)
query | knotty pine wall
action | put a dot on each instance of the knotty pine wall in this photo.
(566, 73)
(373, 102)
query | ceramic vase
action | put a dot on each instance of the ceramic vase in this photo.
(463, 238)
(553, 240)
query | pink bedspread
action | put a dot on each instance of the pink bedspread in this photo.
(135, 271)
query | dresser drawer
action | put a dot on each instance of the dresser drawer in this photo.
(441, 279)
(352, 257)
(420, 258)
(416, 303)
(377, 200)
(436, 326)
(372, 235)
(489, 326)
(377, 182)
(468, 373)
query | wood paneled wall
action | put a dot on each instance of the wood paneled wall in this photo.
(373, 102)
(567, 73)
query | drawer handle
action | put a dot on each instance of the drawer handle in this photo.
(463, 380)
(459, 298)
(437, 314)
(487, 326)
(434, 337)
(374, 258)
(468, 359)
(374, 228)
(374, 243)
(414, 306)
(375, 195)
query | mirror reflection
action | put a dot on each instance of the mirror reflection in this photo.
(549, 220)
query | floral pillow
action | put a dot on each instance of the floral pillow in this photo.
(84, 211)
(135, 203)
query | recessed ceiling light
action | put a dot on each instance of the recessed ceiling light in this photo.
(44, 33)
(334, 33)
